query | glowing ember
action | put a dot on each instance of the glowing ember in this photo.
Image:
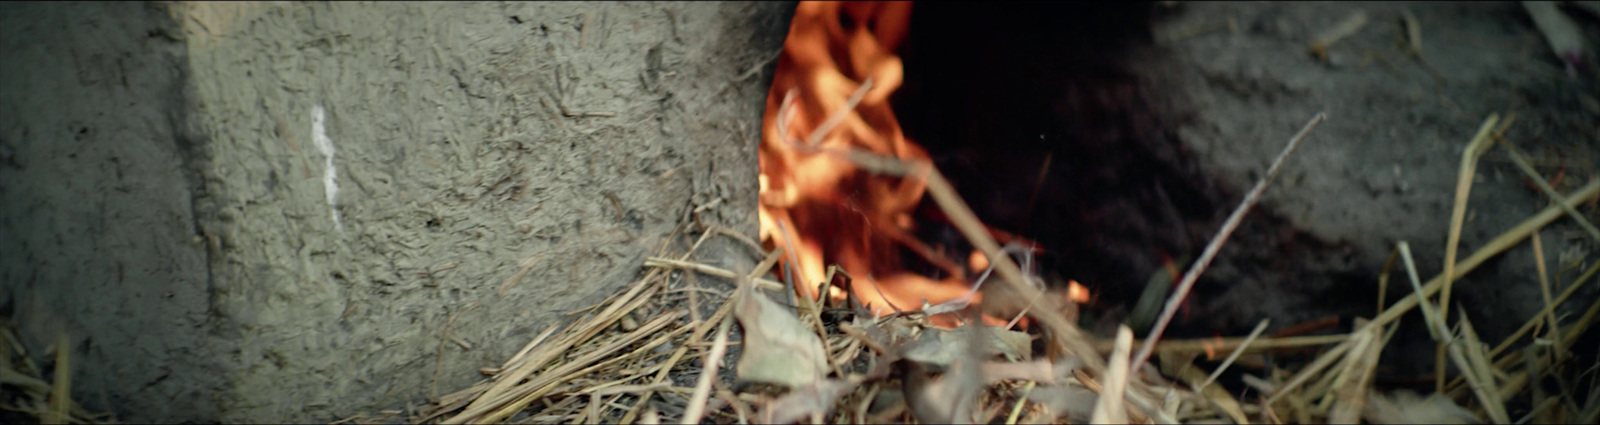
(821, 207)
(1077, 293)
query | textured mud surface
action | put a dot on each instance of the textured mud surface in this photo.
(261, 212)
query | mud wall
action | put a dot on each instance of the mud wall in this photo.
(262, 212)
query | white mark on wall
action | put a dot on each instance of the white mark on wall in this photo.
(330, 177)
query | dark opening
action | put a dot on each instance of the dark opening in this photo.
(1035, 112)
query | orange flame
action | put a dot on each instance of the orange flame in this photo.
(822, 208)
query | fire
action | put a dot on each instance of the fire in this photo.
(822, 208)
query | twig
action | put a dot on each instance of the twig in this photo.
(963, 301)
(1229, 344)
(1517, 380)
(1064, 334)
(1539, 409)
(1413, 29)
(1554, 332)
(524, 351)
(822, 130)
(1210, 253)
(61, 389)
(1428, 315)
(1021, 401)
(1513, 357)
(1469, 164)
(497, 394)
(702, 388)
(710, 270)
(1383, 276)
(1526, 166)
(1548, 309)
(699, 332)
(1235, 356)
(1478, 362)
(1349, 398)
(1494, 247)
(1109, 408)
(541, 385)
(739, 406)
(1327, 388)
(1351, 24)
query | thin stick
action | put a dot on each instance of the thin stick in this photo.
(526, 348)
(1324, 40)
(61, 390)
(699, 332)
(486, 402)
(503, 406)
(1383, 277)
(702, 389)
(1016, 410)
(1416, 286)
(1233, 344)
(1199, 266)
(1548, 309)
(1469, 163)
(1517, 380)
(1109, 408)
(1478, 362)
(1513, 357)
(1064, 334)
(1539, 409)
(1478, 387)
(1526, 166)
(1345, 400)
(1494, 247)
(834, 119)
(710, 270)
(1235, 356)
(1544, 289)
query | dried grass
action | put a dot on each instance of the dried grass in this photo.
(29, 394)
(595, 371)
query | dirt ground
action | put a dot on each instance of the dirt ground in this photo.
(1383, 168)
(1113, 153)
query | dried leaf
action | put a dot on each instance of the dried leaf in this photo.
(1406, 407)
(816, 398)
(1073, 401)
(1220, 399)
(938, 348)
(945, 399)
(890, 332)
(777, 348)
(887, 399)
(1038, 371)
